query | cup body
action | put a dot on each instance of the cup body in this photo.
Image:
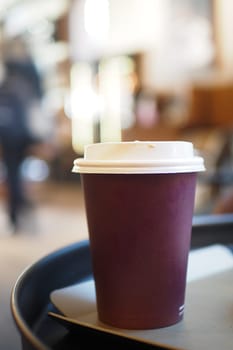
(139, 229)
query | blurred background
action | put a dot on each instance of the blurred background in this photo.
(110, 70)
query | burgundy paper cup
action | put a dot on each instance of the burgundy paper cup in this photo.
(139, 199)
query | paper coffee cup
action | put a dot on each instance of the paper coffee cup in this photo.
(139, 199)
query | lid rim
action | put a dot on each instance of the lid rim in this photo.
(142, 170)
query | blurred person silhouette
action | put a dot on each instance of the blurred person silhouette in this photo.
(20, 86)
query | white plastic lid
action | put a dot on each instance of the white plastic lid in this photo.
(139, 157)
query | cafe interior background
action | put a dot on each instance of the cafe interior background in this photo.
(117, 70)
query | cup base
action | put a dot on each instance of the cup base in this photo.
(141, 324)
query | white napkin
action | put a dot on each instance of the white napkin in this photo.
(208, 261)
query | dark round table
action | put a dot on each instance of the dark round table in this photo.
(30, 298)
